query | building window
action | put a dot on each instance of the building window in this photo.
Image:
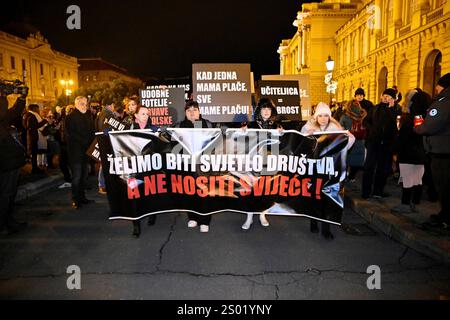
(87, 78)
(42, 69)
(68, 73)
(13, 63)
(94, 77)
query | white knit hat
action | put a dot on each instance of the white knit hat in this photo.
(322, 108)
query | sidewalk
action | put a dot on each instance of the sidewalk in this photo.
(33, 184)
(403, 228)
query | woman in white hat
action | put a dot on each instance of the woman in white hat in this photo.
(322, 121)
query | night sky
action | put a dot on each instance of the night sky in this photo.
(162, 38)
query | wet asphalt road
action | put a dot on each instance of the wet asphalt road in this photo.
(170, 261)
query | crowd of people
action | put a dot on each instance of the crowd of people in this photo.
(382, 138)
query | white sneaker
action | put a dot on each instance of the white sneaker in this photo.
(192, 224)
(204, 228)
(263, 220)
(247, 224)
(65, 185)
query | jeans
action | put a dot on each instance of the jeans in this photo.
(101, 178)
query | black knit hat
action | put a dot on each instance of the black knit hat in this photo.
(360, 91)
(444, 81)
(391, 92)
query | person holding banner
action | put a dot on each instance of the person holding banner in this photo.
(192, 120)
(101, 123)
(265, 118)
(322, 121)
(142, 121)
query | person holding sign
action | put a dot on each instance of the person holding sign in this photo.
(192, 120)
(142, 121)
(130, 105)
(265, 118)
(322, 121)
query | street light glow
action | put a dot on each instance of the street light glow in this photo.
(330, 64)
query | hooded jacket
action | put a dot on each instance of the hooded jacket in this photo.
(260, 123)
(436, 126)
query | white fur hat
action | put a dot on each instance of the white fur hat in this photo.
(322, 108)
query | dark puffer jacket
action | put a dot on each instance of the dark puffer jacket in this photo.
(259, 123)
(436, 127)
(13, 154)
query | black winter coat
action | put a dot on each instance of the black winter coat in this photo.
(79, 134)
(188, 124)
(13, 154)
(263, 125)
(32, 126)
(436, 127)
(381, 124)
(410, 148)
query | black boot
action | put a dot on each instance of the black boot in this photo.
(136, 228)
(313, 227)
(326, 233)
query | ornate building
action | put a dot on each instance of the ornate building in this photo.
(375, 44)
(43, 67)
(95, 71)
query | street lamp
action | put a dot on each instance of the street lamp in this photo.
(330, 64)
(68, 92)
(331, 84)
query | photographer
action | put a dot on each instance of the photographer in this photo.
(13, 157)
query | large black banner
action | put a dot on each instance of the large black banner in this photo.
(208, 171)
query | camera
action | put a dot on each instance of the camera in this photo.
(8, 87)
